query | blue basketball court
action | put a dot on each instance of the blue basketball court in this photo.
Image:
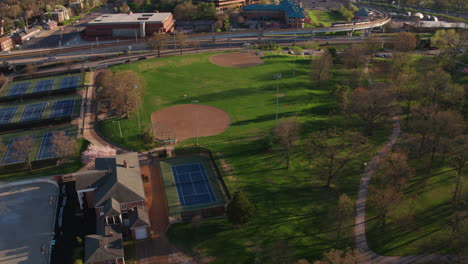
(43, 86)
(70, 82)
(18, 89)
(7, 114)
(62, 108)
(33, 112)
(193, 186)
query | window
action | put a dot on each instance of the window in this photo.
(123, 206)
(101, 211)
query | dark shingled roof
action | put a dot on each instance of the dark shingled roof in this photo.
(89, 179)
(122, 184)
(111, 207)
(363, 12)
(291, 9)
(138, 217)
(106, 245)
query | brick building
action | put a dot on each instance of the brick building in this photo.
(287, 12)
(138, 25)
(6, 43)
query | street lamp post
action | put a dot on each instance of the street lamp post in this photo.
(277, 77)
(196, 121)
(120, 129)
(138, 113)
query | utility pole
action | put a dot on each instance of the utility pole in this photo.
(277, 77)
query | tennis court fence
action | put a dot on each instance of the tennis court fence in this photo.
(205, 152)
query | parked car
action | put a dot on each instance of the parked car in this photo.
(291, 52)
(383, 55)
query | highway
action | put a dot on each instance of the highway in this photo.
(221, 38)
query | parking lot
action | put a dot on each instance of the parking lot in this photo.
(27, 215)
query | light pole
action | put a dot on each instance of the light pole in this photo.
(196, 121)
(277, 77)
(138, 113)
(120, 129)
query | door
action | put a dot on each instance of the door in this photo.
(141, 233)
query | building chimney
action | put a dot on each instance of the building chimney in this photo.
(125, 163)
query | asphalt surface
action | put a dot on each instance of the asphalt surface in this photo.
(63, 35)
(27, 222)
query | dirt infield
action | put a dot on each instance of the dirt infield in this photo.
(186, 120)
(236, 60)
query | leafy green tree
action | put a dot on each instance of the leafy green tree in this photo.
(206, 10)
(450, 42)
(345, 13)
(185, 11)
(240, 210)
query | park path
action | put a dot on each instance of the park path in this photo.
(360, 218)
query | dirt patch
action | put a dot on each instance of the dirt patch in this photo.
(189, 120)
(236, 60)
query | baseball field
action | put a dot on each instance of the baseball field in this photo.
(291, 205)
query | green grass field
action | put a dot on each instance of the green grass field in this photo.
(290, 204)
(32, 83)
(323, 18)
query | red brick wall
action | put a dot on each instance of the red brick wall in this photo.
(89, 196)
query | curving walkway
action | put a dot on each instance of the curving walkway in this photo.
(360, 219)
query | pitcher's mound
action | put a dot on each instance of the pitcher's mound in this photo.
(187, 120)
(236, 60)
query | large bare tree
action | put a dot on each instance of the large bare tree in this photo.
(320, 68)
(354, 56)
(343, 212)
(158, 42)
(180, 41)
(404, 41)
(332, 150)
(394, 170)
(370, 107)
(287, 133)
(337, 256)
(458, 158)
(124, 92)
(22, 148)
(63, 145)
(382, 199)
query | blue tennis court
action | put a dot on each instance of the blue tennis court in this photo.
(47, 148)
(62, 108)
(43, 86)
(18, 89)
(7, 114)
(9, 157)
(33, 112)
(70, 82)
(193, 186)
